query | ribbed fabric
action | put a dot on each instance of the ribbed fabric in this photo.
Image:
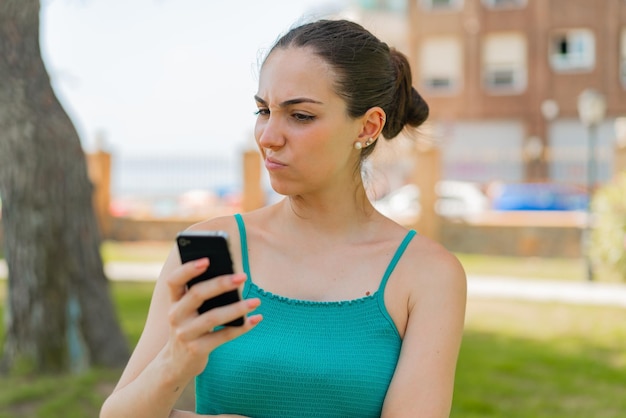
(306, 358)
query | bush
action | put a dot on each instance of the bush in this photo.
(608, 237)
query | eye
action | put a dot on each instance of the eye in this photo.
(301, 117)
(262, 112)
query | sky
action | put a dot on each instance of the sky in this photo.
(163, 77)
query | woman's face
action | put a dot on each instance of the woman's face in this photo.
(303, 131)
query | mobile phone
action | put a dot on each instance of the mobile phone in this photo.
(193, 245)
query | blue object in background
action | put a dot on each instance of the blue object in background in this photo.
(539, 196)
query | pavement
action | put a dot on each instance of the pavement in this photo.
(508, 287)
(585, 293)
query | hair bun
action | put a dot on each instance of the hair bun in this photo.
(408, 108)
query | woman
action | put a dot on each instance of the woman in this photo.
(355, 315)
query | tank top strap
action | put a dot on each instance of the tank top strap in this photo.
(244, 251)
(396, 257)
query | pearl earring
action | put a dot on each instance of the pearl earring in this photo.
(358, 145)
(369, 142)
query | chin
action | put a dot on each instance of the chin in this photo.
(286, 189)
(280, 188)
(291, 186)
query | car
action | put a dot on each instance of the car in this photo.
(539, 196)
(459, 199)
(455, 199)
(401, 205)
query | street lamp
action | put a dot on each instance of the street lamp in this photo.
(591, 110)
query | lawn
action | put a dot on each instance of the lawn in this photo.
(518, 359)
(135, 251)
(527, 267)
(534, 268)
(522, 359)
(477, 264)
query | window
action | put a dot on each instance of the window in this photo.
(622, 60)
(504, 63)
(572, 50)
(505, 4)
(505, 77)
(442, 4)
(441, 65)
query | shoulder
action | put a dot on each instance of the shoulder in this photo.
(429, 268)
(433, 255)
(220, 222)
(227, 224)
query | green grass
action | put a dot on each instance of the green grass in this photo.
(530, 267)
(518, 359)
(478, 264)
(573, 269)
(523, 267)
(522, 359)
(132, 300)
(142, 251)
(72, 396)
(55, 396)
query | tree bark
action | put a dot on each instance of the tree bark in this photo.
(59, 311)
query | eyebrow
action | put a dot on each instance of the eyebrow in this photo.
(289, 102)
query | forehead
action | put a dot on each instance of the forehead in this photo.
(296, 72)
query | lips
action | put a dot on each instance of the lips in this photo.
(273, 164)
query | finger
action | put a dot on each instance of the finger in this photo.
(206, 323)
(215, 317)
(214, 339)
(177, 281)
(195, 296)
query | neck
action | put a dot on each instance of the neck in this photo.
(338, 213)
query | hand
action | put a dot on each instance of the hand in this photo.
(191, 335)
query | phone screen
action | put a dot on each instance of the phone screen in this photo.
(193, 245)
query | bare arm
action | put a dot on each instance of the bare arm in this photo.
(176, 341)
(423, 383)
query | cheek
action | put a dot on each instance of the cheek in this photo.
(338, 143)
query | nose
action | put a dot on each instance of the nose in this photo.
(268, 133)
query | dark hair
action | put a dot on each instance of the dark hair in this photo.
(369, 73)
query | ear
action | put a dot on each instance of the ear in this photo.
(373, 123)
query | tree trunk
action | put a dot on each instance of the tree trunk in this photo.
(59, 311)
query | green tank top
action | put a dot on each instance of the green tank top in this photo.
(306, 358)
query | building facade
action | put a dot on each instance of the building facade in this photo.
(503, 79)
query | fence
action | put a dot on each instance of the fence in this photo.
(169, 177)
(524, 233)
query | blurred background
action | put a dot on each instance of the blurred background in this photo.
(527, 112)
(520, 170)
